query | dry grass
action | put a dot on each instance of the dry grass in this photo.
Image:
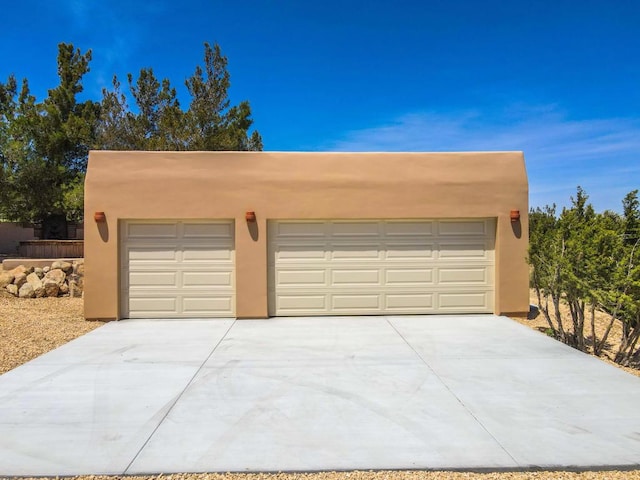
(29, 328)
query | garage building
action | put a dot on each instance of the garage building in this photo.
(260, 234)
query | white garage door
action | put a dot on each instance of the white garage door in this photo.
(378, 267)
(177, 269)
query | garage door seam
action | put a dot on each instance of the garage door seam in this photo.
(178, 397)
(451, 391)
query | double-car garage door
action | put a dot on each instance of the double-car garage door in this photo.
(186, 269)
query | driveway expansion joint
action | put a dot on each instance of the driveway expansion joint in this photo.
(458, 399)
(177, 397)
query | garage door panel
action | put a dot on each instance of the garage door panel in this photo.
(473, 227)
(145, 306)
(152, 254)
(315, 303)
(296, 253)
(463, 276)
(354, 230)
(204, 305)
(300, 229)
(348, 252)
(374, 267)
(207, 231)
(462, 300)
(412, 277)
(207, 279)
(152, 279)
(403, 229)
(355, 277)
(211, 253)
(408, 251)
(178, 269)
(302, 277)
(340, 303)
(462, 251)
(404, 301)
(152, 230)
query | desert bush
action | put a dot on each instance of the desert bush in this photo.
(588, 261)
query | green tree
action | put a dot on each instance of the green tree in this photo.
(210, 122)
(45, 145)
(585, 260)
(631, 212)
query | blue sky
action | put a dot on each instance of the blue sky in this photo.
(559, 80)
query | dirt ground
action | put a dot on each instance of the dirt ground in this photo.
(29, 328)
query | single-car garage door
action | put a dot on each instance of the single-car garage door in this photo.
(381, 267)
(173, 269)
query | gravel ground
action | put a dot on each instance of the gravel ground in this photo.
(388, 475)
(29, 328)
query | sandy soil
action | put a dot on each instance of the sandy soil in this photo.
(29, 328)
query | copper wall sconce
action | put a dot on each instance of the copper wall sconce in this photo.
(250, 217)
(515, 215)
(99, 217)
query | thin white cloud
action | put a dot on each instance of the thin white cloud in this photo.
(599, 154)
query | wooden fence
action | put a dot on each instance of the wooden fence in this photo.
(51, 249)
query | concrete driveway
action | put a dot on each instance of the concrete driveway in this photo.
(434, 392)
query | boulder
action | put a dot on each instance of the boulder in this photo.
(46, 269)
(64, 289)
(19, 269)
(21, 279)
(56, 264)
(51, 288)
(39, 271)
(78, 268)
(12, 289)
(6, 278)
(76, 285)
(26, 291)
(36, 283)
(55, 274)
(66, 267)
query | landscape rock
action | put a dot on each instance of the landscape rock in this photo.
(55, 274)
(66, 267)
(26, 291)
(21, 269)
(51, 288)
(78, 268)
(62, 278)
(21, 279)
(6, 278)
(75, 285)
(36, 283)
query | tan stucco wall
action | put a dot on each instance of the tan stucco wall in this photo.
(292, 185)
